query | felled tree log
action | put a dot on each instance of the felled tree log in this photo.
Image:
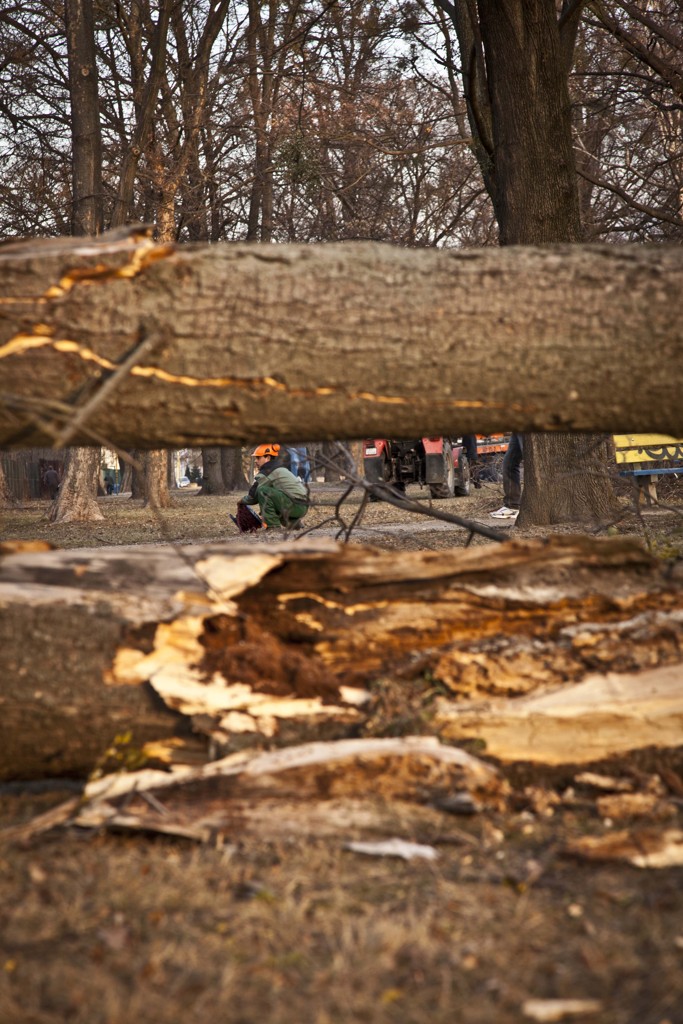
(259, 644)
(163, 346)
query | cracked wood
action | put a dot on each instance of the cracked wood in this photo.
(564, 650)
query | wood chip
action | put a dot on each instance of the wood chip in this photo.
(548, 1010)
(644, 848)
(394, 848)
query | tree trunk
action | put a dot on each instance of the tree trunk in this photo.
(126, 471)
(598, 327)
(86, 219)
(536, 197)
(276, 645)
(565, 477)
(525, 147)
(156, 479)
(171, 475)
(77, 498)
(137, 480)
(234, 478)
(145, 115)
(6, 499)
(85, 119)
(212, 472)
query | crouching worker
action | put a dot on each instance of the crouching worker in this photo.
(281, 496)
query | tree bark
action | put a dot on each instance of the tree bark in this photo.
(85, 119)
(522, 127)
(567, 476)
(126, 471)
(263, 644)
(137, 478)
(156, 479)
(351, 340)
(77, 498)
(6, 500)
(171, 475)
(232, 472)
(536, 196)
(212, 472)
(78, 491)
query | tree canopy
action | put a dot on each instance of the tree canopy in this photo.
(316, 120)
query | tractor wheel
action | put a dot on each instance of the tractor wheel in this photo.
(463, 480)
(446, 489)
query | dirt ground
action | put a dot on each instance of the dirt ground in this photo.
(502, 927)
(195, 518)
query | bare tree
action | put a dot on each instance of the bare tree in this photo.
(626, 92)
(515, 65)
(77, 498)
(5, 495)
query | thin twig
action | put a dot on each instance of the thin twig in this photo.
(383, 492)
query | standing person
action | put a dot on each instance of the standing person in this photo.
(281, 496)
(299, 462)
(512, 479)
(51, 481)
(469, 444)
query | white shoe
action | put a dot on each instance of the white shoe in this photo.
(505, 513)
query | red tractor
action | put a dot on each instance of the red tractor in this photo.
(439, 463)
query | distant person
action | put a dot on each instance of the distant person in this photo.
(469, 444)
(51, 481)
(512, 479)
(299, 463)
(281, 496)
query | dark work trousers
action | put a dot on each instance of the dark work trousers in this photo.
(512, 472)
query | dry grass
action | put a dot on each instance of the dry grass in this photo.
(198, 519)
(109, 930)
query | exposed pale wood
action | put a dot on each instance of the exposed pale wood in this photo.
(642, 847)
(564, 650)
(229, 343)
(604, 714)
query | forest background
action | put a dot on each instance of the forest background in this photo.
(317, 122)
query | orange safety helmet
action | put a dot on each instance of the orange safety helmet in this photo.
(268, 451)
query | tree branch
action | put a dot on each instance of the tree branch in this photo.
(629, 200)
